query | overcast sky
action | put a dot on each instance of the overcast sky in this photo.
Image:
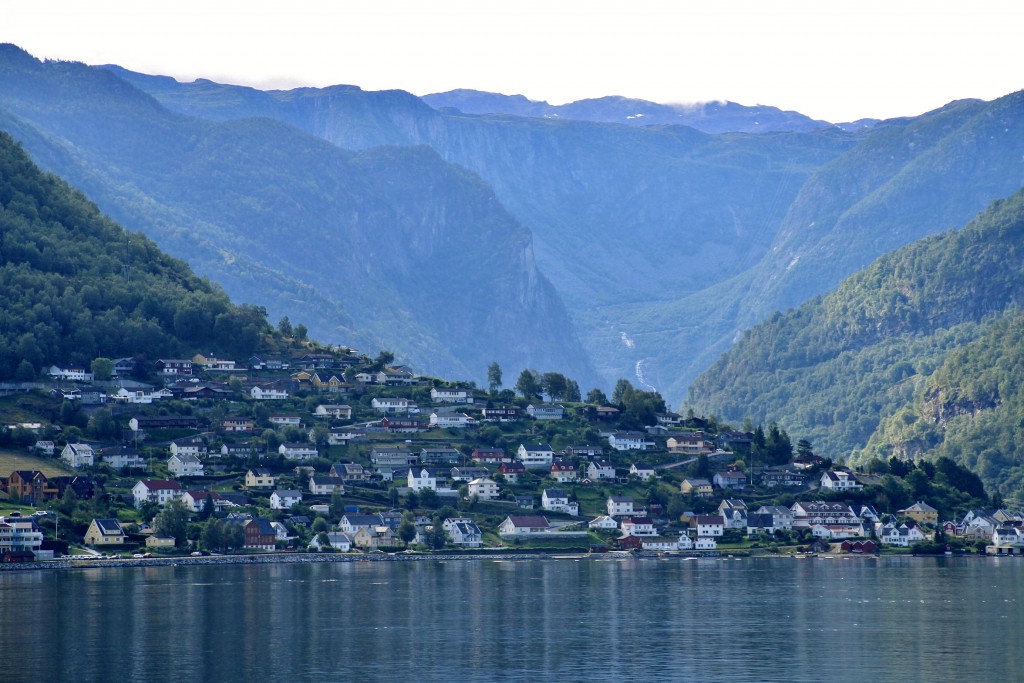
(833, 60)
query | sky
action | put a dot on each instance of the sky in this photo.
(829, 59)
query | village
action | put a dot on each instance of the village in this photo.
(334, 452)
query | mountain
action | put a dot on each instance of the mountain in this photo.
(75, 286)
(665, 242)
(917, 355)
(905, 179)
(386, 247)
(626, 220)
(707, 117)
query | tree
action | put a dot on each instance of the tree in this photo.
(529, 384)
(572, 391)
(554, 385)
(621, 392)
(207, 511)
(102, 424)
(102, 369)
(406, 530)
(173, 520)
(320, 525)
(212, 537)
(25, 372)
(428, 498)
(301, 332)
(284, 326)
(494, 377)
(804, 449)
(384, 358)
(597, 397)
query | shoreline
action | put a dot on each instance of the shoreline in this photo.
(65, 564)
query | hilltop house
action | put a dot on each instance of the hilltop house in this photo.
(522, 525)
(629, 441)
(157, 491)
(557, 500)
(535, 455)
(600, 470)
(105, 532)
(545, 411)
(447, 395)
(285, 499)
(78, 455)
(483, 488)
(185, 465)
(839, 481)
(298, 451)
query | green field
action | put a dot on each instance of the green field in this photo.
(20, 460)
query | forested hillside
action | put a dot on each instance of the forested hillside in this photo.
(76, 286)
(924, 336)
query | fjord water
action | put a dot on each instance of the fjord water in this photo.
(770, 619)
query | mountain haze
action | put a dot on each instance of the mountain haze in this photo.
(707, 117)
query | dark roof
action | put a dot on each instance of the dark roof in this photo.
(528, 520)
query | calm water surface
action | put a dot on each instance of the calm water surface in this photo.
(771, 619)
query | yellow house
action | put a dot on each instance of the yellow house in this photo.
(921, 512)
(160, 542)
(260, 478)
(105, 532)
(698, 487)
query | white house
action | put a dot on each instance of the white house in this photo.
(285, 499)
(388, 404)
(185, 465)
(522, 525)
(638, 526)
(268, 392)
(442, 420)
(839, 481)
(188, 446)
(603, 522)
(463, 532)
(122, 457)
(557, 500)
(620, 506)
(324, 485)
(155, 490)
(535, 455)
(545, 411)
(420, 478)
(451, 395)
(709, 525)
(656, 543)
(298, 451)
(600, 470)
(684, 542)
(338, 412)
(643, 472)
(630, 441)
(705, 543)
(484, 489)
(78, 455)
(338, 540)
(70, 374)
